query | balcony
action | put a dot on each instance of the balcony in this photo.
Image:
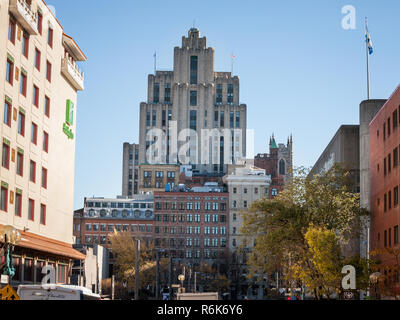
(24, 15)
(72, 73)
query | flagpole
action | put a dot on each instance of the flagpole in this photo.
(155, 62)
(367, 53)
(232, 64)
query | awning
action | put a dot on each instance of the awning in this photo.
(47, 245)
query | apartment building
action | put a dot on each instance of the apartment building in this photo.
(156, 177)
(246, 184)
(191, 225)
(39, 80)
(384, 171)
(101, 216)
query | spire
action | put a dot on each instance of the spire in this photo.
(272, 144)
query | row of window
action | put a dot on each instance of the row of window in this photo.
(387, 240)
(391, 124)
(119, 205)
(6, 155)
(158, 174)
(387, 199)
(24, 83)
(190, 242)
(190, 230)
(119, 227)
(190, 218)
(387, 162)
(4, 200)
(197, 206)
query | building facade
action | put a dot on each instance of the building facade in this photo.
(192, 226)
(193, 97)
(246, 184)
(39, 84)
(385, 178)
(155, 177)
(130, 170)
(101, 216)
(278, 164)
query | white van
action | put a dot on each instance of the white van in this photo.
(55, 292)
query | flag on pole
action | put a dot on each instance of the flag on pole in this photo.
(233, 56)
(369, 42)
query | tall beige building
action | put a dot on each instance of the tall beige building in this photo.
(39, 80)
(130, 170)
(193, 96)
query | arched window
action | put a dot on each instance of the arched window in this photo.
(282, 167)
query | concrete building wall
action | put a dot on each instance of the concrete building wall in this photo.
(130, 169)
(368, 110)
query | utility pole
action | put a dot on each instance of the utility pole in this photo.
(137, 269)
(157, 275)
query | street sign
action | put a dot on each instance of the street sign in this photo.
(8, 293)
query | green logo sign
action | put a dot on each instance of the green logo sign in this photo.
(69, 119)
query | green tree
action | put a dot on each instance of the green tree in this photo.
(279, 225)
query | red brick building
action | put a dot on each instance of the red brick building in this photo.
(385, 176)
(192, 226)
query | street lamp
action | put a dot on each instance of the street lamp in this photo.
(374, 278)
(9, 237)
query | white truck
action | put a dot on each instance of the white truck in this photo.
(55, 292)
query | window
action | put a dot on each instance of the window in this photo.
(10, 71)
(31, 210)
(50, 37)
(47, 106)
(44, 178)
(218, 99)
(385, 202)
(193, 120)
(394, 119)
(193, 69)
(148, 118)
(231, 117)
(48, 71)
(40, 22)
(396, 234)
(390, 237)
(4, 198)
(395, 157)
(193, 98)
(21, 123)
(388, 126)
(390, 200)
(43, 214)
(34, 133)
(23, 84)
(5, 162)
(25, 44)
(7, 113)
(396, 196)
(18, 204)
(20, 163)
(37, 59)
(167, 93)
(230, 93)
(156, 93)
(11, 31)
(32, 171)
(35, 100)
(45, 141)
(222, 119)
(237, 119)
(282, 167)
(154, 118)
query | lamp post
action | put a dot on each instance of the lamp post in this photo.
(9, 237)
(374, 278)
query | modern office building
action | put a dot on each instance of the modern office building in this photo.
(192, 225)
(278, 164)
(385, 178)
(101, 216)
(39, 84)
(130, 169)
(246, 184)
(193, 96)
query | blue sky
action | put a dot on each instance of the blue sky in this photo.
(300, 72)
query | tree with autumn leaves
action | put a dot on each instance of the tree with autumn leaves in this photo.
(302, 231)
